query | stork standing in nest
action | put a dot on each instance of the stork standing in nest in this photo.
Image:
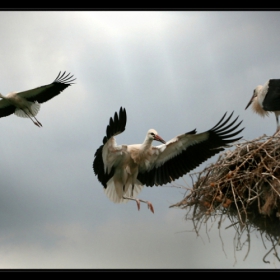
(124, 169)
(266, 99)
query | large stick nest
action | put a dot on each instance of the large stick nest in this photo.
(244, 184)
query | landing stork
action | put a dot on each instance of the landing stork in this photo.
(25, 104)
(266, 99)
(124, 169)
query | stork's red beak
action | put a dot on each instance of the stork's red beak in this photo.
(158, 138)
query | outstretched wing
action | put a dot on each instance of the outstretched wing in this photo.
(185, 152)
(105, 170)
(6, 108)
(47, 92)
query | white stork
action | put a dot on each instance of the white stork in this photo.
(25, 104)
(266, 99)
(124, 169)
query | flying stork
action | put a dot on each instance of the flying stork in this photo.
(266, 99)
(25, 104)
(124, 169)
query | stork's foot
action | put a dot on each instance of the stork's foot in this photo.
(38, 124)
(138, 204)
(150, 205)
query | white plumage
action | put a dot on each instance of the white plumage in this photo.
(124, 169)
(266, 99)
(26, 104)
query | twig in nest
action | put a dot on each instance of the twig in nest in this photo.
(244, 184)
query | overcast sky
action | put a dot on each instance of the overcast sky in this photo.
(172, 71)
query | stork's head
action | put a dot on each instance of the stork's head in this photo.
(255, 95)
(153, 135)
(256, 102)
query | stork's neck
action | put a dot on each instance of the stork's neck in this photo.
(258, 108)
(147, 144)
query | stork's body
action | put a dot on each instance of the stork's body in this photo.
(124, 169)
(266, 99)
(26, 104)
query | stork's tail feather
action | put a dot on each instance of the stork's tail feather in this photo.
(115, 192)
(34, 108)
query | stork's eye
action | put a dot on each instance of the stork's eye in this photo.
(152, 134)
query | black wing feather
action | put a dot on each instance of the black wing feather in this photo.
(6, 111)
(98, 168)
(194, 155)
(115, 127)
(60, 83)
(271, 101)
